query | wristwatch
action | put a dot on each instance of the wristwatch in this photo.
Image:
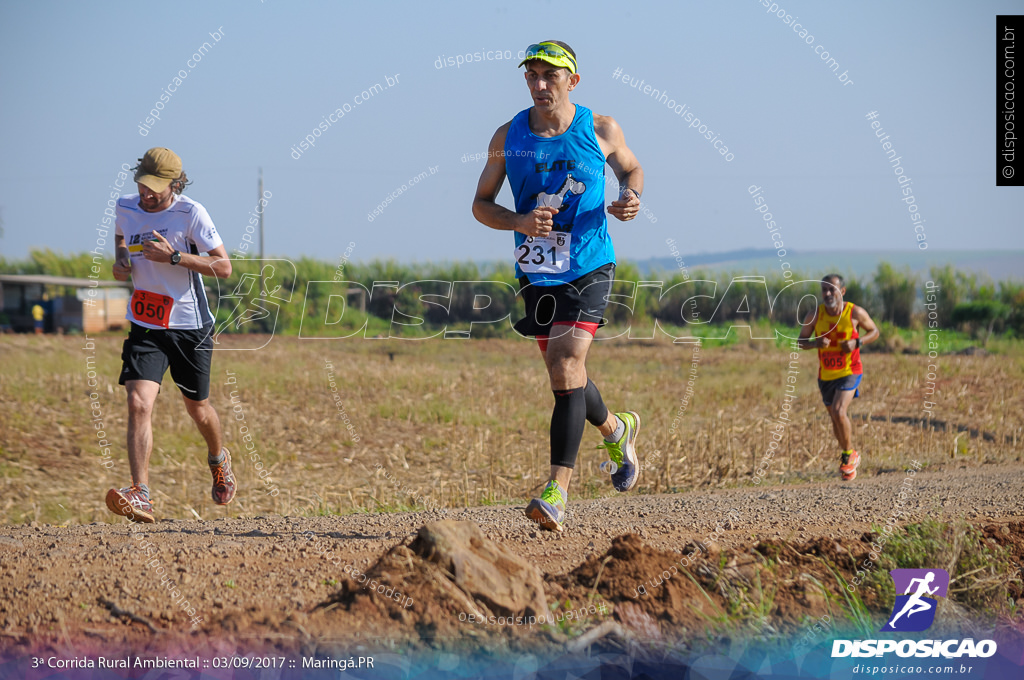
(175, 257)
(858, 343)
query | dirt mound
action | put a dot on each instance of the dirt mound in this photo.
(652, 581)
(1010, 537)
(706, 588)
(450, 574)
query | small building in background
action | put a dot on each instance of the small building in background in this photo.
(67, 303)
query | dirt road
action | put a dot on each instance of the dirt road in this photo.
(278, 581)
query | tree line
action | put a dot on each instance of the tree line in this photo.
(960, 300)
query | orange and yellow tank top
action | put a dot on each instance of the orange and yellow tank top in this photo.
(832, 363)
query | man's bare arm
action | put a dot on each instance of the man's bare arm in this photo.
(864, 323)
(217, 264)
(159, 249)
(537, 222)
(624, 164)
(122, 268)
(805, 341)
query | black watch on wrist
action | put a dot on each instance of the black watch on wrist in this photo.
(858, 343)
(175, 257)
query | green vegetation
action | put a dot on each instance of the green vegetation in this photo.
(980, 571)
(53, 263)
(984, 584)
(334, 302)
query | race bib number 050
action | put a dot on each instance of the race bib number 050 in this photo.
(152, 308)
(544, 254)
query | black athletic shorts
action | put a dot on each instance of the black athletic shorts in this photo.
(829, 388)
(583, 300)
(148, 352)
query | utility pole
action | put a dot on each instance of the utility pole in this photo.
(259, 198)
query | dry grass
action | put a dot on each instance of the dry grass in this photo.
(457, 423)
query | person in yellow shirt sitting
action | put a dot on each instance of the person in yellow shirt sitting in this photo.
(38, 313)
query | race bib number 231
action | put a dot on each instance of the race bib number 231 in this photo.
(544, 254)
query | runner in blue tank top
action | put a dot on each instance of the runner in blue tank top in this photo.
(554, 154)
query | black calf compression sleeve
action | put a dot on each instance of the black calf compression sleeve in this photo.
(597, 412)
(568, 420)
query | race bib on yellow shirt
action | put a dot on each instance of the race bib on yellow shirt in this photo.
(834, 361)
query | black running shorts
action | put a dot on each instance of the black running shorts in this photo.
(829, 388)
(148, 352)
(583, 300)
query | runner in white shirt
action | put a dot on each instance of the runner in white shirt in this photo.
(187, 227)
(159, 237)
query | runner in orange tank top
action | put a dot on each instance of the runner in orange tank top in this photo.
(839, 329)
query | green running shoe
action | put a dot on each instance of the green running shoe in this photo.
(625, 467)
(549, 510)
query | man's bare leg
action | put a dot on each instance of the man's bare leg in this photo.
(843, 429)
(208, 423)
(141, 399)
(133, 501)
(841, 424)
(562, 475)
(566, 357)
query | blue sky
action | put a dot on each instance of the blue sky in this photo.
(77, 80)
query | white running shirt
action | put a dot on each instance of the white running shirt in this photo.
(189, 229)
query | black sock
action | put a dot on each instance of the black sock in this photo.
(568, 420)
(597, 412)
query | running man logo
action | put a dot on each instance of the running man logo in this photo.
(255, 302)
(914, 610)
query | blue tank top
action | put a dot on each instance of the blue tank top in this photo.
(566, 171)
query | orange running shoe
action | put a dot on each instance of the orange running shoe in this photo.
(848, 466)
(132, 503)
(223, 480)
